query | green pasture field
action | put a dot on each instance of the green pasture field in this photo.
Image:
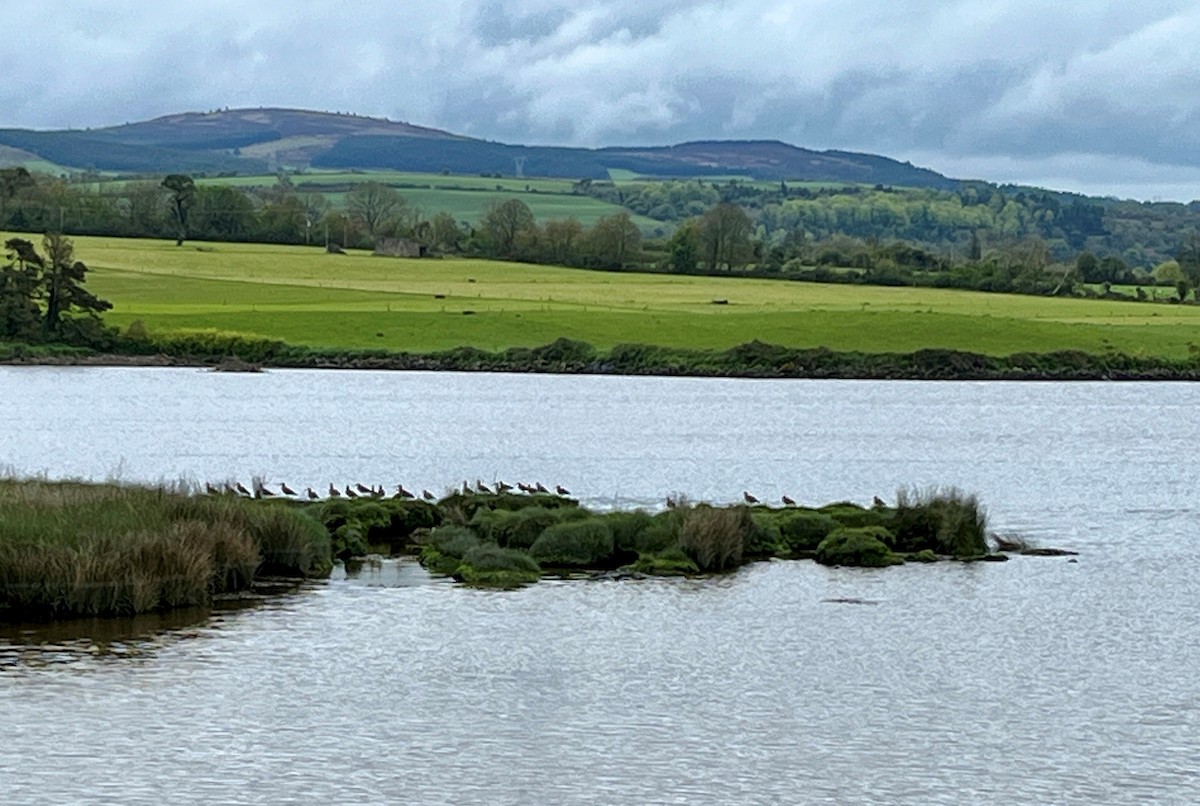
(357, 300)
(467, 198)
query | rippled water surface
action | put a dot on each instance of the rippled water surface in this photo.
(1039, 680)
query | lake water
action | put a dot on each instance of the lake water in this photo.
(1037, 680)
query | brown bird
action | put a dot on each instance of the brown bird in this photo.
(363, 489)
(350, 492)
(428, 496)
(523, 487)
(403, 493)
(788, 501)
(263, 492)
(561, 490)
(242, 490)
(312, 494)
(286, 489)
(540, 488)
(481, 487)
(878, 503)
(466, 488)
(211, 490)
(749, 498)
(334, 492)
(502, 488)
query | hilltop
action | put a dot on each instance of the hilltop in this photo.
(249, 141)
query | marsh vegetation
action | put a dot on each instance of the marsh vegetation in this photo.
(70, 548)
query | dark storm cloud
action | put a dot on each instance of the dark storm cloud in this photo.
(1088, 91)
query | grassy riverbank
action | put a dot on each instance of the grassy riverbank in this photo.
(70, 548)
(302, 296)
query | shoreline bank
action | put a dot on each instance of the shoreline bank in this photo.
(752, 360)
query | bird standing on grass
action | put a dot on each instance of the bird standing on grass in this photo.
(561, 490)
(334, 492)
(788, 502)
(286, 489)
(749, 498)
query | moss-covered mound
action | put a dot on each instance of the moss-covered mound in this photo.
(489, 566)
(865, 546)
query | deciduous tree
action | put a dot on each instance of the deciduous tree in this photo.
(505, 223)
(183, 195)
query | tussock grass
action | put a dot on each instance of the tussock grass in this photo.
(70, 548)
(716, 539)
(582, 543)
(944, 520)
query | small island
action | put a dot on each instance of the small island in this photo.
(76, 548)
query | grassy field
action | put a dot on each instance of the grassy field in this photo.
(305, 296)
(467, 198)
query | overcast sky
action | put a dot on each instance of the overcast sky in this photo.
(1090, 95)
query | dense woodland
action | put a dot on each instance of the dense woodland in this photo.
(977, 236)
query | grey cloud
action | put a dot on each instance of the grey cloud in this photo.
(1014, 84)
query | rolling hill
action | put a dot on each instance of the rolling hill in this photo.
(248, 141)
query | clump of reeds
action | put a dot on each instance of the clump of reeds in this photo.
(716, 539)
(944, 520)
(102, 549)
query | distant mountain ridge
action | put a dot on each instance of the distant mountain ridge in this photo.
(250, 141)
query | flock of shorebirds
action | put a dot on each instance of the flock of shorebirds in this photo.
(259, 489)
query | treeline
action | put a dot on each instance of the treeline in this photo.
(978, 237)
(944, 221)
